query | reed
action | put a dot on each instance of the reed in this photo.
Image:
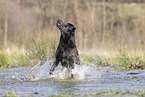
(98, 24)
(32, 35)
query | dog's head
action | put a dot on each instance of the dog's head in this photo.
(65, 28)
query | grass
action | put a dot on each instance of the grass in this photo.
(3, 60)
(10, 59)
(97, 93)
(123, 59)
(29, 54)
(130, 61)
(86, 93)
(108, 93)
(11, 94)
(119, 93)
(122, 23)
(41, 51)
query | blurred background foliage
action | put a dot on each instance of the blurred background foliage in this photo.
(98, 22)
(28, 27)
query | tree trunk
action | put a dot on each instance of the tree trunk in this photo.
(5, 30)
(104, 21)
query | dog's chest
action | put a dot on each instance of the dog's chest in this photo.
(68, 52)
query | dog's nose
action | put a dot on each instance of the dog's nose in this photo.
(59, 20)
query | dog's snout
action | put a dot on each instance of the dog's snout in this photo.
(59, 21)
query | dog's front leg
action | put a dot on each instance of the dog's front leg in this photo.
(55, 64)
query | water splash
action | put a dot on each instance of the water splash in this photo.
(38, 72)
(80, 72)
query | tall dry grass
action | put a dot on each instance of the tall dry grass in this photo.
(98, 24)
(32, 34)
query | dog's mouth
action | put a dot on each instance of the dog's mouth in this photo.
(59, 24)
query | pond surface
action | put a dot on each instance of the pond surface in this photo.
(88, 81)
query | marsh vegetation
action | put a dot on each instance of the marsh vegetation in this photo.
(110, 34)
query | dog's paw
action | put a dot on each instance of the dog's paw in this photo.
(72, 75)
(50, 73)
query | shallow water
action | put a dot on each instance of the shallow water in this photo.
(86, 82)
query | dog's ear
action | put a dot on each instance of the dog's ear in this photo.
(72, 28)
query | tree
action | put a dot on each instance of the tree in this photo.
(6, 29)
(104, 21)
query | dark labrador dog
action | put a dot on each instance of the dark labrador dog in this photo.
(67, 52)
